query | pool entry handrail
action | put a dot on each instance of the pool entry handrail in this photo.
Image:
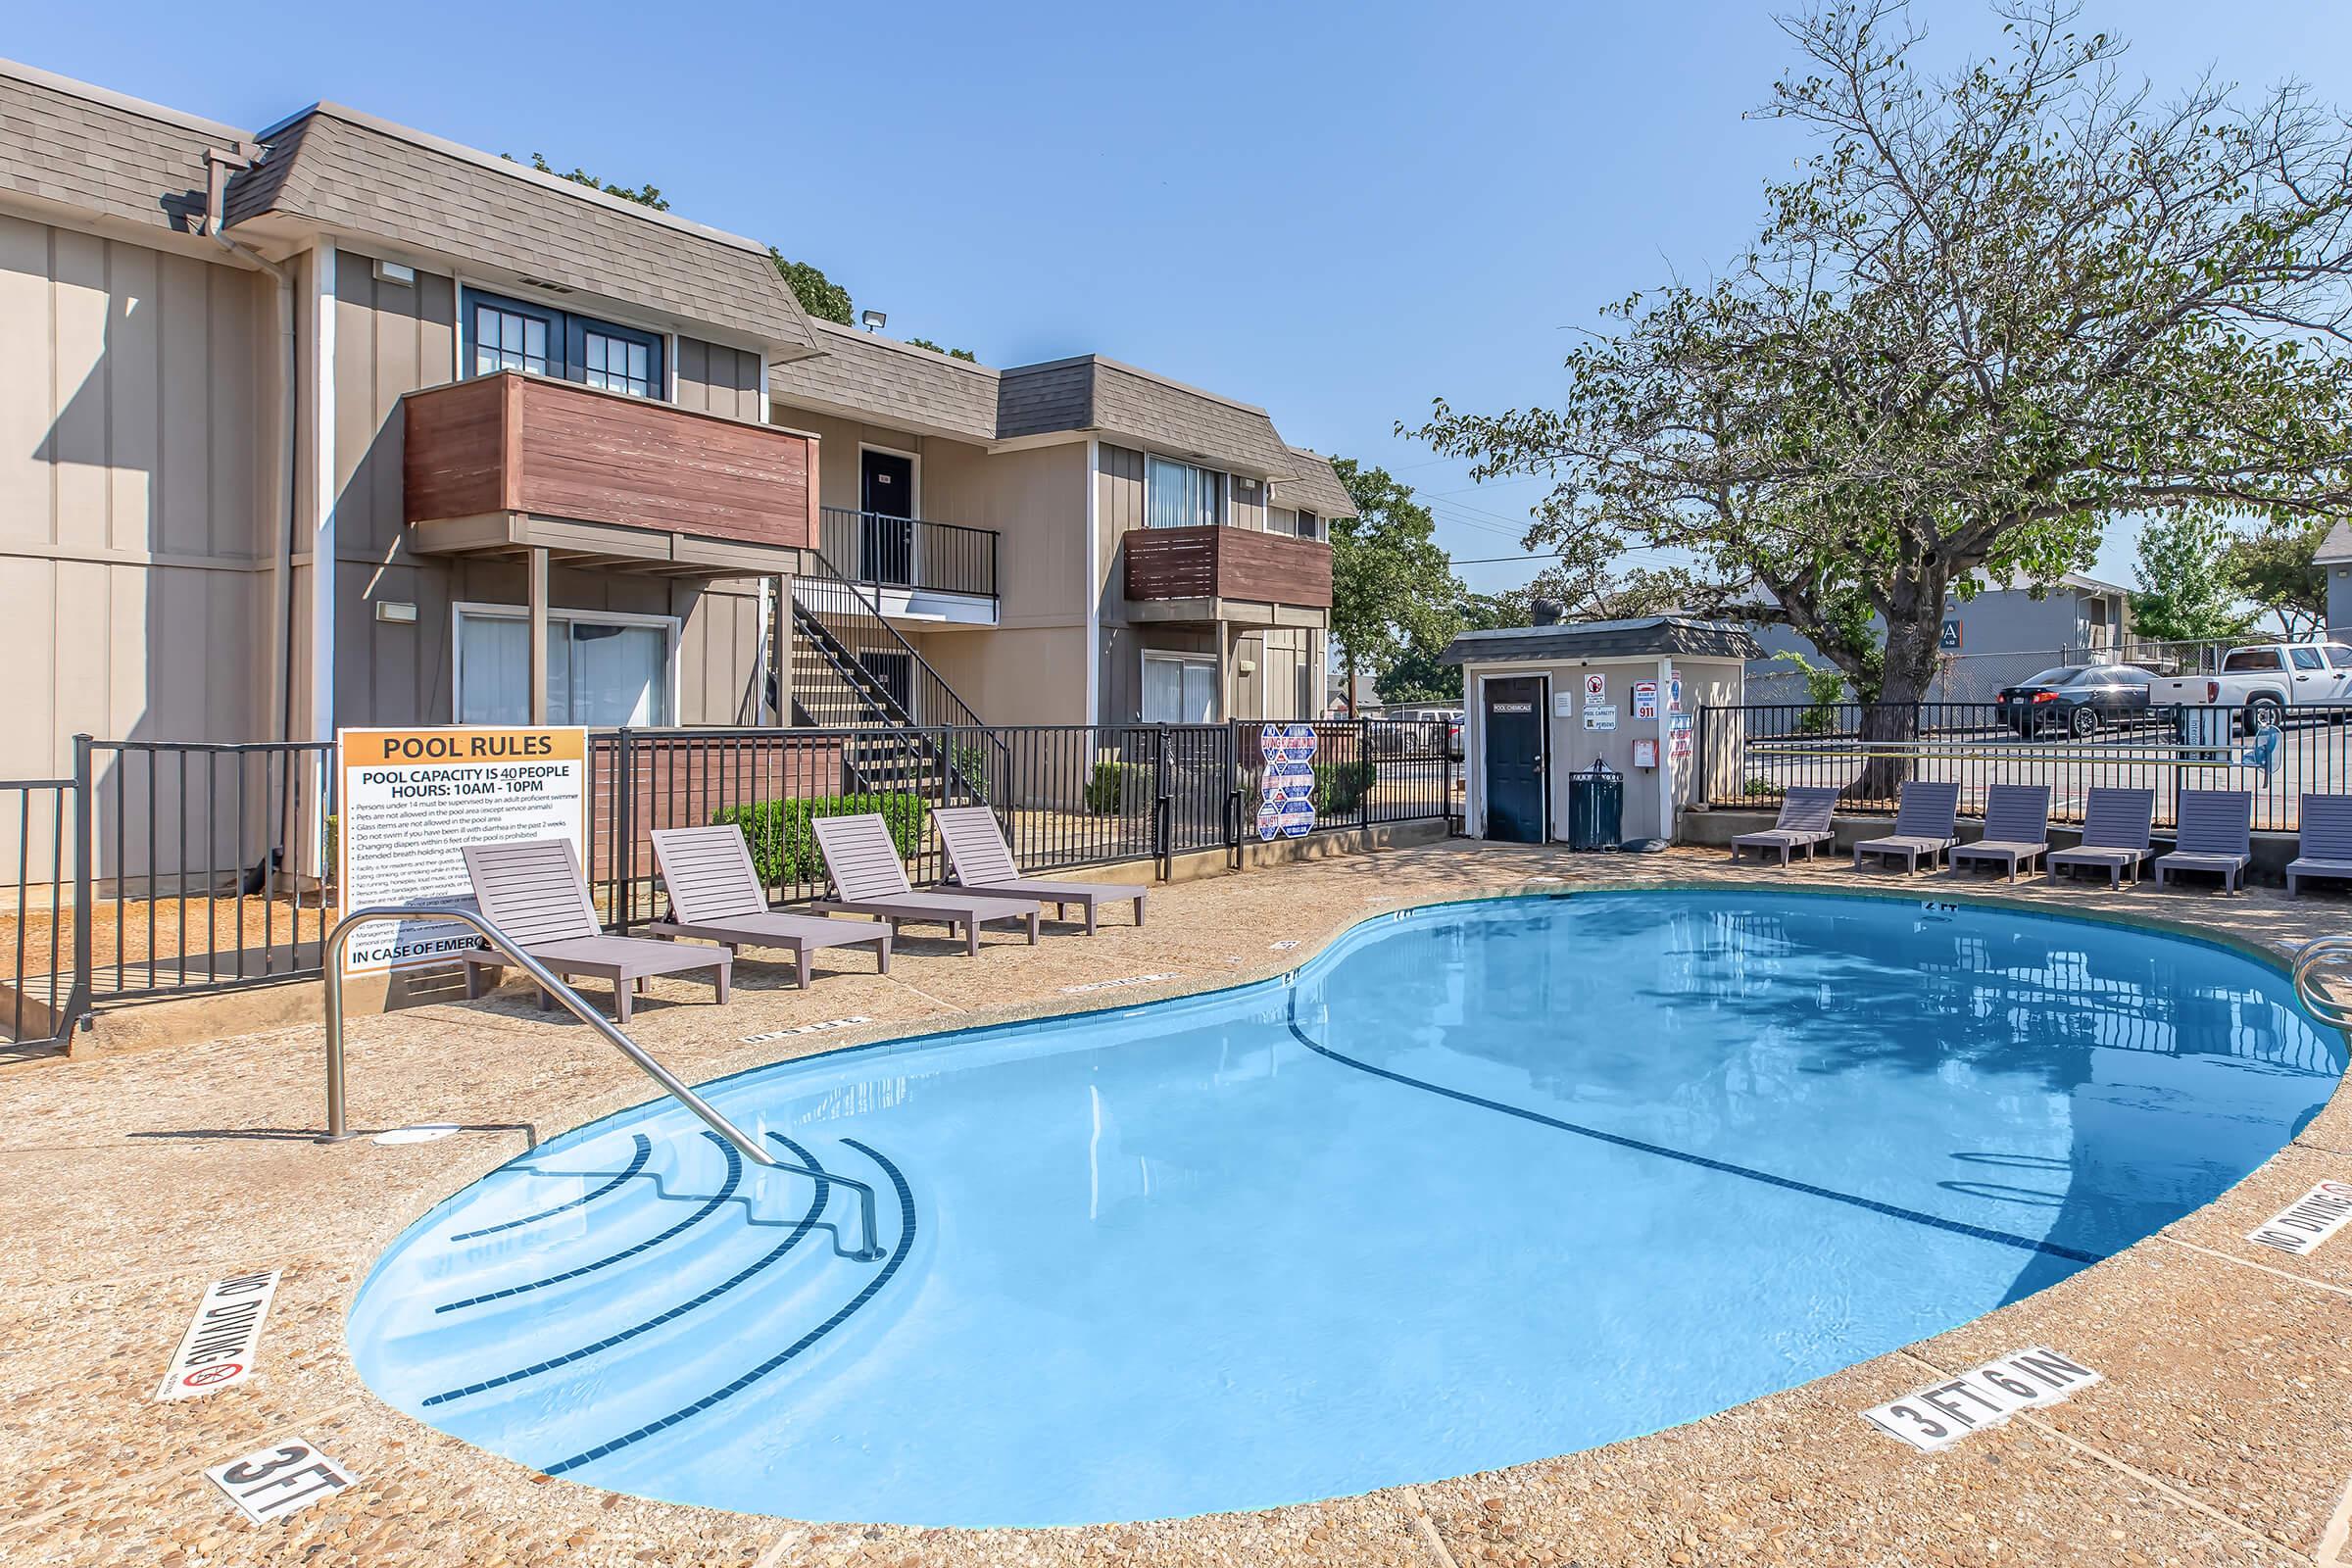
(2320, 1003)
(579, 1008)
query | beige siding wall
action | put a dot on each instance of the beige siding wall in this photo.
(716, 379)
(138, 398)
(1019, 676)
(390, 340)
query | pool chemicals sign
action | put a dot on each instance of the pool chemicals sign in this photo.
(408, 802)
(2300, 1227)
(284, 1478)
(1645, 701)
(1286, 791)
(216, 1350)
(1941, 1415)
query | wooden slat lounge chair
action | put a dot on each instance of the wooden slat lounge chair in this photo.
(714, 894)
(2115, 835)
(2325, 846)
(533, 892)
(2216, 834)
(1923, 825)
(2017, 829)
(870, 879)
(984, 862)
(1803, 824)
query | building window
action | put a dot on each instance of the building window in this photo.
(601, 669)
(1179, 690)
(510, 335)
(1177, 494)
(1309, 526)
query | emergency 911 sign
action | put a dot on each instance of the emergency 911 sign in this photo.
(411, 801)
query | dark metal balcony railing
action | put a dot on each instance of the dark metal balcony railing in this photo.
(909, 552)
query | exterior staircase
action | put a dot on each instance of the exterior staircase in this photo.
(852, 671)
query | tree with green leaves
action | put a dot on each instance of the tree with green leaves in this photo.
(819, 294)
(1416, 676)
(953, 353)
(2273, 567)
(1390, 585)
(1990, 313)
(2185, 592)
(643, 195)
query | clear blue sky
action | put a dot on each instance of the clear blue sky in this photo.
(1336, 214)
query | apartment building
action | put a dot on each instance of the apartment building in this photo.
(338, 423)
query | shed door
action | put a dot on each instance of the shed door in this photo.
(1513, 743)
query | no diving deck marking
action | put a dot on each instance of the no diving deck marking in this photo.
(1119, 984)
(805, 1029)
(216, 1350)
(2300, 1228)
(1981, 1233)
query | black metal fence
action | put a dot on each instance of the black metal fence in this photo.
(912, 553)
(170, 867)
(1750, 755)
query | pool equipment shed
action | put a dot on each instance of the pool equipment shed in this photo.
(1540, 703)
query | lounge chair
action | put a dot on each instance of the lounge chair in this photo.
(2216, 834)
(1803, 824)
(2017, 829)
(714, 894)
(2115, 835)
(533, 892)
(2325, 846)
(870, 879)
(984, 862)
(1923, 825)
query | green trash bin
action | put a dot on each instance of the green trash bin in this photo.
(1595, 807)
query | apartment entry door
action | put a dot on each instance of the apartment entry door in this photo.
(886, 530)
(1513, 740)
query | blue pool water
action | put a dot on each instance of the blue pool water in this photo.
(1484, 1183)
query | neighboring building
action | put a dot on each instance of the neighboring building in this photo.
(2334, 557)
(341, 423)
(1988, 639)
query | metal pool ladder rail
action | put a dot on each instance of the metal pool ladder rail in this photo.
(579, 1008)
(2309, 957)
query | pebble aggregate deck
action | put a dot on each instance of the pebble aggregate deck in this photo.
(2221, 1435)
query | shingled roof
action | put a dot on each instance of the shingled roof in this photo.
(892, 381)
(1317, 487)
(66, 141)
(866, 376)
(347, 172)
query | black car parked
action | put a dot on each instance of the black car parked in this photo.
(2075, 700)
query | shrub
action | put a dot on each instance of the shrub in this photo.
(1341, 786)
(1761, 786)
(1118, 788)
(972, 763)
(783, 847)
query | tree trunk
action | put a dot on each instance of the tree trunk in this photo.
(1910, 669)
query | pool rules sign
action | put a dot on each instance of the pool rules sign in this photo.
(410, 801)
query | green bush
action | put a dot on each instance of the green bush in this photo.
(783, 847)
(972, 763)
(1760, 786)
(1118, 788)
(1341, 786)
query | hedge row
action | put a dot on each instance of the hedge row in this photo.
(784, 846)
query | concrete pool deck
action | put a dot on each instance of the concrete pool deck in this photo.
(2221, 1432)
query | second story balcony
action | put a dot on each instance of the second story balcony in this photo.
(1219, 573)
(511, 462)
(917, 569)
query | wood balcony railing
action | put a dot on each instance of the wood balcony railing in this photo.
(1222, 562)
(513, 443)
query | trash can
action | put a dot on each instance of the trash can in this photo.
(1596, 806)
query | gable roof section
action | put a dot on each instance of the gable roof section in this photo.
(1316, 488)
(343, 170)
(66, 141)
(1164, 413)
(2336, 547)
(891, 381)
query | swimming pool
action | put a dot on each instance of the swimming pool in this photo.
(1482, 1183)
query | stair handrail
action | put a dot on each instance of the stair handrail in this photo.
(579, 1008)
(831, 576)
(2322, 1004)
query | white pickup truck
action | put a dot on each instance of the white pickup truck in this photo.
(2263, 680)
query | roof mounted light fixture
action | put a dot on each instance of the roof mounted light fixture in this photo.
(872, 320)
